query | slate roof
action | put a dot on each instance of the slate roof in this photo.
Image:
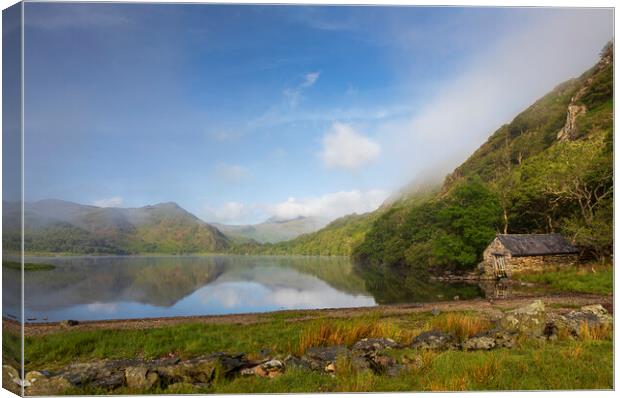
(536, 244)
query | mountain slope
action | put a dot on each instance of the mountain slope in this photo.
(61, 226)
(272, 230)
(549, 170)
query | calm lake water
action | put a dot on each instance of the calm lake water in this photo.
(95, 288)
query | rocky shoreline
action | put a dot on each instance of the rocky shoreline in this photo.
(531, 321)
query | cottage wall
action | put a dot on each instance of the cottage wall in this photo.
(539, 263)
(487, 265)
(515, 265)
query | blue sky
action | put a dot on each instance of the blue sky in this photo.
(240, 113)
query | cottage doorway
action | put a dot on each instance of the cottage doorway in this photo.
(499, 266)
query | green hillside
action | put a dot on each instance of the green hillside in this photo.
(549, 170)
(64, 227)
(272, 230)
(337, 238)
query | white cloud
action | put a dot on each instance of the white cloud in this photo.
(310, 79)
(293, 94)
(231, 172)
(345, 148)
(329, 206)
(229, 212)
(115, 201)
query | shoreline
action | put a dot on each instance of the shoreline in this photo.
(492, 307)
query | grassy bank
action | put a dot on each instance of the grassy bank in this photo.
(532, 364)
(596, 279)
(27, 266)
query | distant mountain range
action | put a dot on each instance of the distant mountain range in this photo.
(54, 225)
(59, 226)
(273, 230)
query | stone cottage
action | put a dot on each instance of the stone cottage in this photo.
(513, 253)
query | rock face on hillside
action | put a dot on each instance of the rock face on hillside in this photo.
(576, 108)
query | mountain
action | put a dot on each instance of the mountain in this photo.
(549, 170)
(59, 226)
(337, 238)
(272, 230)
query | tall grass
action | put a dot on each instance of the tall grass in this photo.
(462, 326)
(332, 332)
(589, 332)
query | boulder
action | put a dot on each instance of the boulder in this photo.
(270, 369)
(529, 320)
(374, 344)
(479, 343)
(11, 380)
(69, 323)
(99, 374)
(434, 340)
(140, 378)
(318, 358)
(40, 384)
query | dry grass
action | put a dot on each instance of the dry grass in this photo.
(460, 325)
(327, 333)
(572, 353)
(487, 371)
(589, 332)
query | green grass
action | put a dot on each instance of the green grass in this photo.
(188, 340)
(560, 365)
(532, 364)
(27, 266)
(575, 279)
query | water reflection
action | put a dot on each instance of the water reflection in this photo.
(390, 286)
(137, 287)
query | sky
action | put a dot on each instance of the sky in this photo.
(241, 113)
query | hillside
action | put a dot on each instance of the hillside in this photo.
(549, 170)
(61, 226)
(273, 230)
(337, 238)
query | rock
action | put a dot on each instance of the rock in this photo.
(590, 315)
(11, 380)
(99, 374)
(479, 343)
(270, 369)
(140, 378)
(456, 298)
(43, 385)
(433, 340)
(230, 363)
(330, 368)
(327, 353)
(599, 312)
(69, 323)
(374, 344)
(294, 362)
(435, 311)
(318, 358)
(529, 320)
(197, 370)
(570, 130)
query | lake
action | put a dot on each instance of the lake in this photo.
(115, 287)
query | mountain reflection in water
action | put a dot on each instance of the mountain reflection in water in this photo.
(111, 287)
